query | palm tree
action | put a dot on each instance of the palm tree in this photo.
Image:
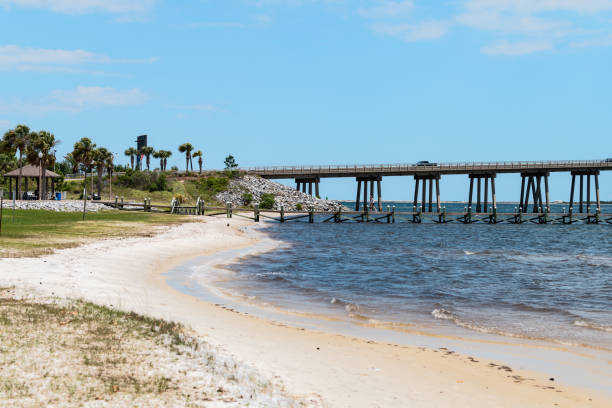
(101, 155)
(43, 143)
(167, 153)
(147, 151)
(131, 152)
(198, 154)
(110, 166)
(159, 155)
(187, 148)
(83, 154)
(18, 139)
(73, 162)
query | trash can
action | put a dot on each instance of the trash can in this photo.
(58, 196)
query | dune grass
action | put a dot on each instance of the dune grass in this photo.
(75, 353)
(27, 233)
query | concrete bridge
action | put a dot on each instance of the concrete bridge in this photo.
(534, 185)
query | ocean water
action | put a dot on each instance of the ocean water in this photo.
(550, 282)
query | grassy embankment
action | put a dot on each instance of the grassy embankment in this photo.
(37, 232)
(75, 353)
(136, 186)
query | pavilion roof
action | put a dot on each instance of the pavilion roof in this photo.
(31, 171)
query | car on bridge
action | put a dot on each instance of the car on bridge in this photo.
(426, 163)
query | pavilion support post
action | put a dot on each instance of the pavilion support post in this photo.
(297, 186)
(571, 203)
(304, 187)
(10, 187)
(538, 202)
(581, 193)
(379, 190)
(588, 195)
(358, 195)
(310, 188)
(478, 206)
(526, 202)
(317, 188)
(438, 194)
(597, 192)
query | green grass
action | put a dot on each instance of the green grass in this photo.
(38, 232)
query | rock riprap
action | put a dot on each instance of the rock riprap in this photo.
(284, 196)
(59, 206)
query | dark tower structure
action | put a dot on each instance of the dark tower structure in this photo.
(141, 141)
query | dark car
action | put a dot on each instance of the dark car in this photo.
(426, 163)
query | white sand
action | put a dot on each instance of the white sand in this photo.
(340, 371)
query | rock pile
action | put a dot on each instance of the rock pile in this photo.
(59, 206)
(284, 196)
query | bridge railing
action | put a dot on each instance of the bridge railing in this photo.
(446, 166)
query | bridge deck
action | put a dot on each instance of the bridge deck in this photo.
(367, 170)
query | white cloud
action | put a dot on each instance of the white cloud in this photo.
(13, 57)
(197, 107)
(539, 6)
(387, 9)
(605, 41)
(78, 100)
(516, 48)
(84, 6)
(427, 30)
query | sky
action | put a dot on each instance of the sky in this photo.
(297, 82)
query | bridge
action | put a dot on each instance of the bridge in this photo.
(534, 185)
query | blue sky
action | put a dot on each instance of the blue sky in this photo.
(318, 81)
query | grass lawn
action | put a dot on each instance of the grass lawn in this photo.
(37, 232)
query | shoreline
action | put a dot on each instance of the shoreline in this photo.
(130, 274)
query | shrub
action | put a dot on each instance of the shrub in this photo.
(180, 198)
(267, 201)
(247, 198)
(298, 206)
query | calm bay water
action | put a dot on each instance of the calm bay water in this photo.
(533, 281)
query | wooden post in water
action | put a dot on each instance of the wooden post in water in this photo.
(494, 198)
(256, 213)
(393, 215)
(547, 193)
(533, 193)
(539, 193)
(311, 215)
(423, 195)
(358, 195)
(282, 213)
(371, 202)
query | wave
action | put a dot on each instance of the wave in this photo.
(593, 326)
(596, 261)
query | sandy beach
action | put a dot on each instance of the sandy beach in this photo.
(323, 368)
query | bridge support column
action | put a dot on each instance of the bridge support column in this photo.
(588, 174)
(424, 179)
(368, 199)
(534, 189)
(479, 204)
(303, 182)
